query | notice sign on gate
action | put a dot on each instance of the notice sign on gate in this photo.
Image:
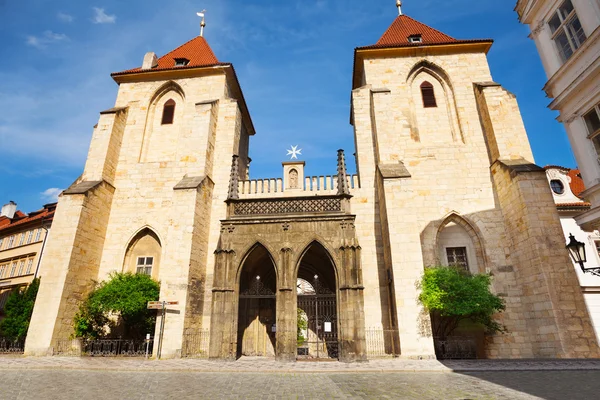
(327, 326)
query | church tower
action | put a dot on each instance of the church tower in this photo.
(448, 177)
(151, 194)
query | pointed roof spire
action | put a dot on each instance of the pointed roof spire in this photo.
(406, 31)
(194, 53)
(399, 5)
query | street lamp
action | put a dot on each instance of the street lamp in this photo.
(577, 252)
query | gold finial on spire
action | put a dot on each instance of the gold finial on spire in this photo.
(202, 23)
(399, 5)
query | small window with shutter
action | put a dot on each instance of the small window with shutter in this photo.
(428, 95)
(168, 112)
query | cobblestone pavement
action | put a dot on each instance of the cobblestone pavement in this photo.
(261, 364)
(510, 385)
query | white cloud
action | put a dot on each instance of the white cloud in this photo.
(64, 17)
(101, 17)
(44, 40)
(51, 194)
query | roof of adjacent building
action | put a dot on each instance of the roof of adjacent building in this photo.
(403, 27)
(197, 51)
(576, 183)
(46, 213)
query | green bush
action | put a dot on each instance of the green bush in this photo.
(452, 295)
(18, 310)
(119, 304)
(302, 326)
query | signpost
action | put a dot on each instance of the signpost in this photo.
(161, 305)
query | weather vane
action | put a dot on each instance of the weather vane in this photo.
(294, 152)
(399, 5)
(202, 23)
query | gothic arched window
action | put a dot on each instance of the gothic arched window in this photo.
(168, 112)
(428, 95)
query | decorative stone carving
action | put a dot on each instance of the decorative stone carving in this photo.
(291, 206)
(343, 188)
(234, 179)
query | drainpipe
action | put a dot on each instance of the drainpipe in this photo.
(37, 268)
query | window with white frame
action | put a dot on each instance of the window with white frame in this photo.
(22, 239)
(3, 269)
(21, 268)
(1, 243)
(13, 270)
(592, 123)
(457, 257)
(11, 242)
(29, 266)
(29, 236)
(144, 265)
(567, 32)
(38, 235)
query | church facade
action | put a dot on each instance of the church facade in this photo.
(445, 175)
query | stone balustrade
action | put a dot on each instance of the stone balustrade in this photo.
(274, 187)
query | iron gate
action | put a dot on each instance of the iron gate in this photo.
(319, 339)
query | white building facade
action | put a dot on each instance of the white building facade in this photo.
(567, 36)
(566, 185)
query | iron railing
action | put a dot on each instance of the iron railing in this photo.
(10, 346)
(104, 348)
(454, 348)
(382, 343)
(195, 344)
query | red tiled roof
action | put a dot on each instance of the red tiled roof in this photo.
(46, 213)
(404, 26)
(577, 185)
(580, 204)
(197, 51)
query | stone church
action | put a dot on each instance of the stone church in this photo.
(445, 175)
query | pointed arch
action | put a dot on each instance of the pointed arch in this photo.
(445, 100)
(167, 101)
(169, 86)
(473, 233)
(248, 253)
(143, 253)
(317, 260)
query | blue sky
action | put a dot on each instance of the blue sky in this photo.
(293, 59)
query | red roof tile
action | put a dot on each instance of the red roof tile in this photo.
(581, 204)
(197, 51)
(404, 26)
(576, 184)
(46, 213)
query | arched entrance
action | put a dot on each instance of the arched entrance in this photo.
(257, 305)
(317, 311)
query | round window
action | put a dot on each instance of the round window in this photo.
(557, 186)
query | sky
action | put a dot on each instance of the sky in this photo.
(293, 59)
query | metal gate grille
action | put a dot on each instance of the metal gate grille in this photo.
(320, 338)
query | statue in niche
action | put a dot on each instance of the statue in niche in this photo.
(293, 179)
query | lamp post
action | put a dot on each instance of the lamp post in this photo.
(577, 252)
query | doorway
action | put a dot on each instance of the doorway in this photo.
(317, 321)
(257, 306)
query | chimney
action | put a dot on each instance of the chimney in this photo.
(150, 60)
(8, 210)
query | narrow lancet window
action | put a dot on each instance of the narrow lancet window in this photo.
(428, 95)
(168, 112)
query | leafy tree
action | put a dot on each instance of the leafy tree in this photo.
(453, 295)
(119, 303)
(302, 326)
(18, 310)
